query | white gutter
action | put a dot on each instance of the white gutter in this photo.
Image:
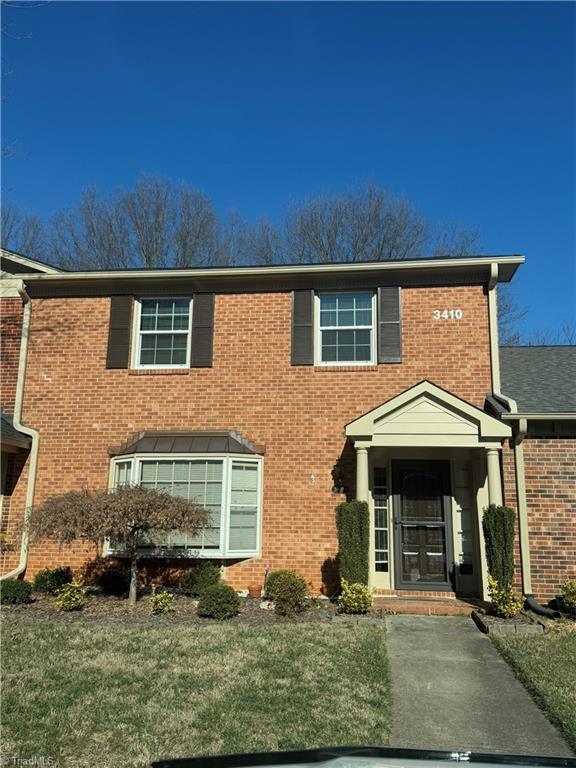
(367, 266)
(551, 416)
(33, 459)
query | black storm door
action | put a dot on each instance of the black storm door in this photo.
(422, 524)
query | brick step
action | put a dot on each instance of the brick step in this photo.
(424, 607)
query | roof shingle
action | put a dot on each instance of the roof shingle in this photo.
(540, 379)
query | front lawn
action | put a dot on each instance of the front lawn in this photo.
(109, 694)
(546, 665)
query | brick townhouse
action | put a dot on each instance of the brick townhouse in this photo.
(271, 394)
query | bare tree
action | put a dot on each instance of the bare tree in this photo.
(23, 233)
(92, 236)
(510, 313)
(156, 224)
(564, 335)
(125, 516)
(364, 224)
(263, 244)
(454, 241)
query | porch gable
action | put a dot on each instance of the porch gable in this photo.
(428, 416)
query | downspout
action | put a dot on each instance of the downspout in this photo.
(33, 434)
(518, 436)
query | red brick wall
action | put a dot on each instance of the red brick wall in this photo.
(298, 413)
(10, 328)
(550, 472)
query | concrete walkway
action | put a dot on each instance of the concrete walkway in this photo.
(453, 691)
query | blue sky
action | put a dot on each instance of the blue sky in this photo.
(468, 109)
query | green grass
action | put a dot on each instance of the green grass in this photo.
(90, 694)
(546, 665)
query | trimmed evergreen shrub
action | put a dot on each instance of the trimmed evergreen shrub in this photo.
(353, 526)
(273, 579)
(197, 580)
(505, 602)
(219, 601)
(568, 596)
(498, 527)
(51, 579)
(161, 602)
(355, 598)
(288, 590)
(70, 597)
(15, 591)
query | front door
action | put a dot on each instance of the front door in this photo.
(422, 524)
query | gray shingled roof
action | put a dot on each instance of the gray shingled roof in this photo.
(540, 379)
(11, 435)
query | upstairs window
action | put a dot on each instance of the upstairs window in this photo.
(345, 328)
(163, 333)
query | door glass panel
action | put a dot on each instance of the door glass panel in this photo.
(422, 496)
(422, 523)
(423, 553)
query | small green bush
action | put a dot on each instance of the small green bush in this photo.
(505, 603)
(353, 525)
(219, 601)
(51, 579)
(114, 580)
(568, 596)
(288, 590)
(15, 591)
(197, 580)
(355, 598)
(70, 597)
(272, 580)
(161, 602)
(498, 527)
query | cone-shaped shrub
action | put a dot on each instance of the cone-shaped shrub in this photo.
(353, 539)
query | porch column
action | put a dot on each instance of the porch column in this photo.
(361, 473)
(494, 480)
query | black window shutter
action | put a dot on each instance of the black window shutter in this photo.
(202, 330)
(302, 327)
(389, 324)
(118, 355)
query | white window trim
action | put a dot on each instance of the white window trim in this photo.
(223, 552)
(137, 334)
(318, 333)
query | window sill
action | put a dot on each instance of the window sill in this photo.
(344, 368)
(159, 372)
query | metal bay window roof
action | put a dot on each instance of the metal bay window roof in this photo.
(187, 442)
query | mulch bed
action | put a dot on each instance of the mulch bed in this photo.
(116, 609)
(522, 623)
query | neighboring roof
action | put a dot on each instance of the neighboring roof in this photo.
(187, 442)
(429, 271)
(15, 264)
(11, 436)
(540, 379)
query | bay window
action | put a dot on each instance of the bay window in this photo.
(228, 487)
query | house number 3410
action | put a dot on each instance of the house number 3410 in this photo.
(448, 314)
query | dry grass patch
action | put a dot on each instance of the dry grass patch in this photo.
(87, 694)
(546, 665)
